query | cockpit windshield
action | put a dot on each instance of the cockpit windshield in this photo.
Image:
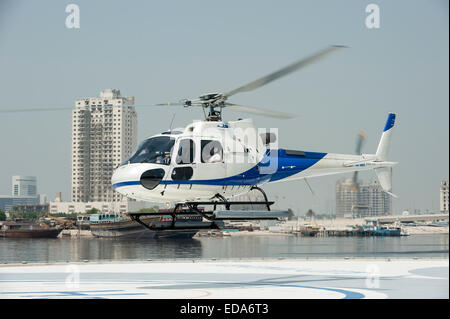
(153, 150)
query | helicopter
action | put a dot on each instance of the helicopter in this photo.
(213, 161)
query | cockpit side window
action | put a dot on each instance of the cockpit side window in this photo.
(153, 150)
(211, 151)
(186, 152)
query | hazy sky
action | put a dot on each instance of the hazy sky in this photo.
(167, 50)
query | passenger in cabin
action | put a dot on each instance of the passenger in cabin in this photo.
(215, 155)
(211, 151)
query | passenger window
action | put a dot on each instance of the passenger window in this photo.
(183, 173)
(211, 151)
(186, 152)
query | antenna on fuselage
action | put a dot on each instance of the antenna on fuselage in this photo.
(171, 122)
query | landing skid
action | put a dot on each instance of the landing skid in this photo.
(215, 215)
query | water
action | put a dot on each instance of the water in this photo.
(101, 249)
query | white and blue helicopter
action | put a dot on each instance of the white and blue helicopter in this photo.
(209, 162)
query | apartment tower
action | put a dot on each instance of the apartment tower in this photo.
(366, 200)
(104, 133)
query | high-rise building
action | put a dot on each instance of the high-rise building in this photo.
(104, 133)
(366, 200)
(24, 192)
(24, 185)
(444, 196)
(42, 199)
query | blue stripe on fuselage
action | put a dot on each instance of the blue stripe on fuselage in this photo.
(289, 165)
(275, 165)
(126, 183)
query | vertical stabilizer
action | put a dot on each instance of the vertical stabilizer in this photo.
(384, 174)
(385, 141)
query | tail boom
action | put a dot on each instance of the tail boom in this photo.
(331, 164)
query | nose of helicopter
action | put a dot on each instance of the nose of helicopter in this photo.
(125, 175)
(147, 175)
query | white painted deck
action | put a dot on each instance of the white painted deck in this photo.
(274, 279)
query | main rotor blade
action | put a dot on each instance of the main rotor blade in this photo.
(50, 109)
(285, 71)
(44, 109)
(166, 104)
(259, 111)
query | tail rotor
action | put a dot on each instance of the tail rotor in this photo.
(359, 144)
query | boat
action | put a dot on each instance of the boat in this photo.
(109, 225)
(308, 229)
(23, 229)
(83, 221)
(439, 224)
(387, 231)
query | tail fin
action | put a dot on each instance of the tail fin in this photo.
(384, 174)
(385, 141)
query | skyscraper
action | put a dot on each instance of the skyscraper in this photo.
(104, 132)
(367, 200)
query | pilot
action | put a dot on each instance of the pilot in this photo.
(166, 159)
(163, 159)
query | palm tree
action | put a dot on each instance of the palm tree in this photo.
(291, 214)
(2, 215)
(310, 214)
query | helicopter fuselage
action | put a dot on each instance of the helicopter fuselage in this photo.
(210, 158)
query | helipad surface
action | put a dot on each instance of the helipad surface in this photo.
(275, 279)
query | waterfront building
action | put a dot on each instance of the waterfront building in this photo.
(42, 199)
(121, 207)
(7, 202)
(31, 208)
(444, 196)
(23, 192)
(24, 185)
(104, 133)
(366, 200)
